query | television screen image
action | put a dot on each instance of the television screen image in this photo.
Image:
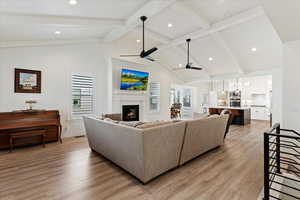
(134, 80)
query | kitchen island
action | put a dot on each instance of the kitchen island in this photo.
(241, 115)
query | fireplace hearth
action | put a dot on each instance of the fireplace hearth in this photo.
(130, 113)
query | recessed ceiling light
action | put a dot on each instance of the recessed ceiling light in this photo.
(138, 41)
(73, 2)
(57, 32)
(170, 25)
(253, 49)
(210, 59)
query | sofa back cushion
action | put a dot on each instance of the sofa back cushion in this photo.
(154, 124)
(131, 124)
(162, 147)
(116, 116)
(202, 135)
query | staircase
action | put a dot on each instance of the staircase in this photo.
(281, 164)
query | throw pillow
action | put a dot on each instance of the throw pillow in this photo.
(153, 124)
(131, 124)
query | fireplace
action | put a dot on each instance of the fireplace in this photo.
(130, 113)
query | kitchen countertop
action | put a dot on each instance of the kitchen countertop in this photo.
(259, 106)
(230, 108)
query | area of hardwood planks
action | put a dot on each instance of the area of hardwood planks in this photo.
(70, 171)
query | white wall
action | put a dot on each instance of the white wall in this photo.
(290, 87)
(57, 64)
(277, 95)
(157, 74)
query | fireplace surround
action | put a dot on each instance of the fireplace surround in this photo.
(130, 112)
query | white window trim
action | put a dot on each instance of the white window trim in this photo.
(79, 116)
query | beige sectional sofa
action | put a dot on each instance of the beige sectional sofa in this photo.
(145, 153)
(149, 151)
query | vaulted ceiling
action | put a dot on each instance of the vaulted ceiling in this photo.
(224, 32)
(284, 16)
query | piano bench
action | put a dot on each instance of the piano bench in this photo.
(25, 134)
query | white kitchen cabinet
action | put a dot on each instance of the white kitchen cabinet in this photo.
(259, 85)
(260, 113)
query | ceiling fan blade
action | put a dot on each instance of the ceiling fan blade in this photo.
(190, 66)
(149, 52)
(129, 55)
(149, 58)
(196, 68)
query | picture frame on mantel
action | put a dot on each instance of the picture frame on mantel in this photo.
(28, 81)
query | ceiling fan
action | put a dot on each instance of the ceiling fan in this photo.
(144, 54)
(189, 65)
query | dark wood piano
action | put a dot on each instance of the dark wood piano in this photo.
(28, 122)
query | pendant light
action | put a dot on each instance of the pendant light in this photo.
(223, 92)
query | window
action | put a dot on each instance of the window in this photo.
(175, 96)
(82, 94)
(154, 96)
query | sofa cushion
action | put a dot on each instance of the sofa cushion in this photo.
(131, 124)
(200, 115)
(116, 116)
(108, 119)
(155, 124)
(213, 115)
(140, 125)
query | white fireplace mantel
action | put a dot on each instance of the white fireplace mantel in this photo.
(120, 99)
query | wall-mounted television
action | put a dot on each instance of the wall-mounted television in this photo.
(134, 80)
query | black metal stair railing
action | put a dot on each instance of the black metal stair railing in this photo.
(281, 162)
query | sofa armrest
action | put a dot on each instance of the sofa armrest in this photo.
(122, 145)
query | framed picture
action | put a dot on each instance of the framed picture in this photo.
(27, 81)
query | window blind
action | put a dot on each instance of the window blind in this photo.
(82, 94)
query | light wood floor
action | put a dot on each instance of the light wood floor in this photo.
(72, 172)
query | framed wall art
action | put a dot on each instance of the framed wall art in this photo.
(27, 81)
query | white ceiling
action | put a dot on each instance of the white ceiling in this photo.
(183, 22)
(116, 9)
(216, 10)
(284, 15)
(225, 30)
(257, 33)
(25, 32)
